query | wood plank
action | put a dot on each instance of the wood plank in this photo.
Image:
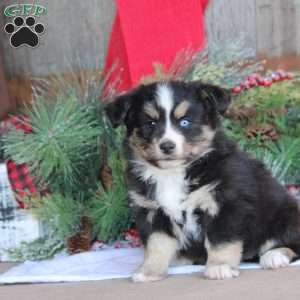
(6, 104)
(229, 20)
(277, 27)
(76, 37)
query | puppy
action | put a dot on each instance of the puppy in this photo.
(194, 193)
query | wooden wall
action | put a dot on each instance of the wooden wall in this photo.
(278, 24)
(76, 37)
(229, 20)
(77, 34)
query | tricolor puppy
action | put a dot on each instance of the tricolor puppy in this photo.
(194, 193)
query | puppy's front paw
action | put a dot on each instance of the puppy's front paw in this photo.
(274, 259)
(144, 275)
(220, 272)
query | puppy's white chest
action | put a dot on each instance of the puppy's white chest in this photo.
(171, 192)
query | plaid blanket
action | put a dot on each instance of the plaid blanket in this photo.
(20, 179)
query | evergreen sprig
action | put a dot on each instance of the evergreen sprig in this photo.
(38, 249)
(278, 106)
(224, 63)
(65, 136)
(71, 140)
(109, 210)
(60, 214)
(284, 92)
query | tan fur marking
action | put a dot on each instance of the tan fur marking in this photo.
(269, 244)
(142, 201)
(203, 198)
(138, 145)
(159, 252)
(135, 141)
(181, 109)
(223, 260)
(182, 261)
(151, 111)
(288, 252)
(141, 149)
(202, 145)
(227, 253)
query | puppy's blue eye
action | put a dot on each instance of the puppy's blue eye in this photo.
(184, 123)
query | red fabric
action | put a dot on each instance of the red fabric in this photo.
(20, 122)
(21, 181)
(152, 31)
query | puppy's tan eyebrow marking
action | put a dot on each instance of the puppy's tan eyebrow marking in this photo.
(151, 111)
(181, 109)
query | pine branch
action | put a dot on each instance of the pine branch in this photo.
(60, 214)
(65, 135)
(39, 249)
(224, 63)
(109, 209)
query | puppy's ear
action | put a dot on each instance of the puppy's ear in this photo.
(216, 97)
(117, 110)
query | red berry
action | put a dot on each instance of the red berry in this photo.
(253, 76)
(275, 77)
(260, 80)
(245, 84)
(253, 82)
(267, 82)
(282, 74)
(236, 90)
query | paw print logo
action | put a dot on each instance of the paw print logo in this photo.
(24, 31)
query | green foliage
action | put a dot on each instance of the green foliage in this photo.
(278, 106)
(60, 214)
(65, 136)
(282, 157)
(39, 249)
(109, 210)
(283, 92)
(224, 65)
(71, 139)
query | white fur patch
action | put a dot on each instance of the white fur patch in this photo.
(170, 186)
(165, 100)
(269, 244)
(276, 258)
(220, 272)
(171, 191)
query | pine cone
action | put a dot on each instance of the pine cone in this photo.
(106, 177)
(241, 113)
(277, 112)
(270, 132)
(81, 241)
(265, 132)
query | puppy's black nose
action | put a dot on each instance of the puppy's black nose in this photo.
(167, 147)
